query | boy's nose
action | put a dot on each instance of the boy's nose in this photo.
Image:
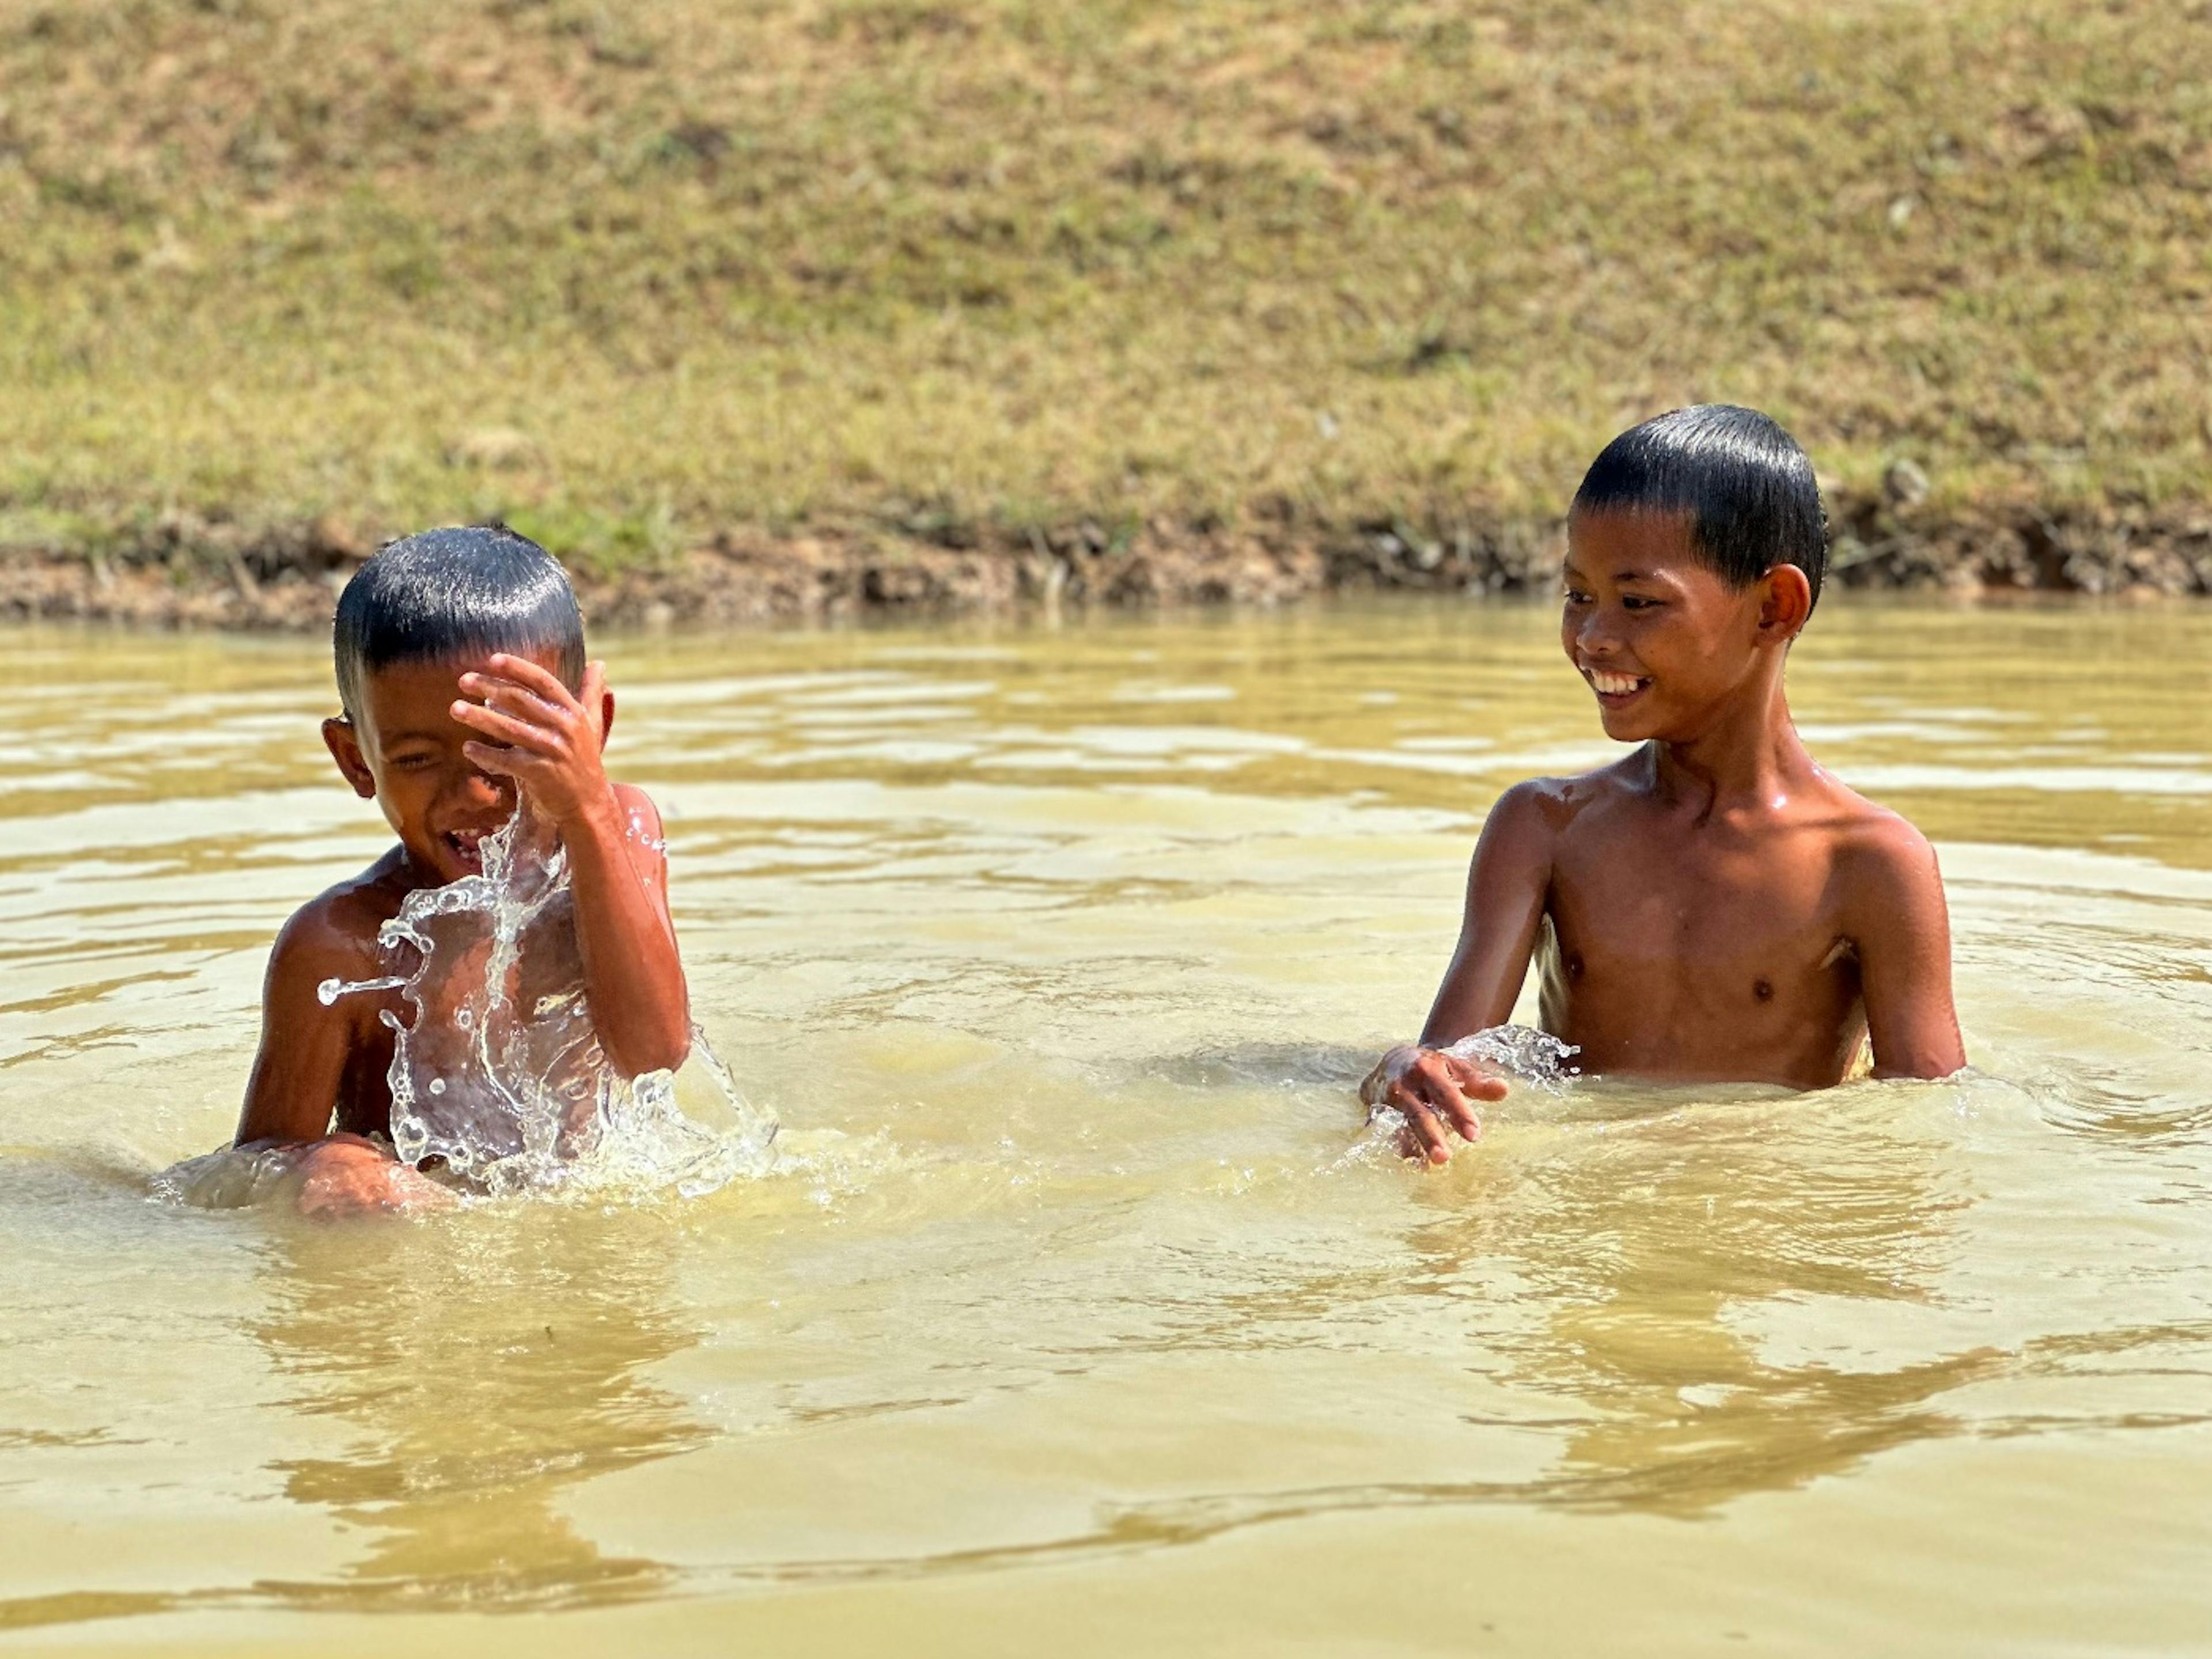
(1594, 638)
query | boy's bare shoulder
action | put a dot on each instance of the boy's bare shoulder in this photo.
(335, 933)
(1549, 807)
(1878, 853)
(637, 808)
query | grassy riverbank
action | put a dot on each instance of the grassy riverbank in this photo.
(1011, 274)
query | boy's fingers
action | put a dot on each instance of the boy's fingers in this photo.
(1462, 1118)
(539, 678)
(1438, 1078)
(491, 722)
(514, 698)
(1422, 1122)
(517, 700)
(489, 757)
(1444, 1080)
(1474, 1081)
(496, 759)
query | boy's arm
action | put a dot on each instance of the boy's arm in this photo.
(1901, 928)
(1507, 885)
(548, 739)
(301, 1063)
(632, 973)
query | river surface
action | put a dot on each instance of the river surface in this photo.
(1081, 1316)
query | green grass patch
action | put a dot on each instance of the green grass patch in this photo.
(631, 273)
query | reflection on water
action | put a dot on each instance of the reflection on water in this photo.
(505, 1370)
(1644, 1244)
(1058, 953)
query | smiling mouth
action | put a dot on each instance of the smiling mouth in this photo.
(467, 847)
(1614, 688)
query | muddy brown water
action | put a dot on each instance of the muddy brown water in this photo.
(1080, 1314)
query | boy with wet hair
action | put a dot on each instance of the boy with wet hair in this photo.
(1714, 906)
(463, 681)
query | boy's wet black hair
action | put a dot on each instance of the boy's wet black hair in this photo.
(1748, 490)
(464, 591)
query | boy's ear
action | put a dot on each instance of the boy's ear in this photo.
(344, 744)
(1785, 601)
(594, 691)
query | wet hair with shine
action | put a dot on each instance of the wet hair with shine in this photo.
(445, 594)
(1748, 490)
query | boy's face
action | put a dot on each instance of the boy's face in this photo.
(403, 747)
(1664, 642)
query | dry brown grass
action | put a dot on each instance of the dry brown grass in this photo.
(632, 273)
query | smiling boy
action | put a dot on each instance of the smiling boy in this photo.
(1714, 906)
(463, 682)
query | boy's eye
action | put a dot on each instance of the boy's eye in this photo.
(1638, 602)
(408, 762)
(1576, 596)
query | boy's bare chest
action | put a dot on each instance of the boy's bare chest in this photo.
(1694, 918)
(1700, 957)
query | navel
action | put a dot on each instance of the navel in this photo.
(1574, 964)
(1762, 990)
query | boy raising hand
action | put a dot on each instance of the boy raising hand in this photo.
(1714, 906)
(463, 681)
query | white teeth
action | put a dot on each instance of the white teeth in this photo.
(1612, 686)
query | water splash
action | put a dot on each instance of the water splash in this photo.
(331, 989)
(1533, 1059)
(500, 1074)
(228, 1178)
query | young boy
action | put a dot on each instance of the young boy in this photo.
(1714, 906)
(461, 674)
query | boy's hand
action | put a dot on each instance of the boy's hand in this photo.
(547, 738)
(1431, 1090)
(347, 1176)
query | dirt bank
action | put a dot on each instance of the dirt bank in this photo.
(191, 572)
